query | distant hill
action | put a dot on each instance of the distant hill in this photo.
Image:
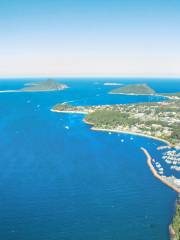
(49, 85)
(139, 89)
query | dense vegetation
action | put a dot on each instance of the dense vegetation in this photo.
(155, 119)
(176, 222)
(48, 85)
(134, 89)
(175, 136)
(111, 118)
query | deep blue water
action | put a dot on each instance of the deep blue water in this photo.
(76, 184)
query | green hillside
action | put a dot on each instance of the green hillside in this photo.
(140, 89)
(49, 85)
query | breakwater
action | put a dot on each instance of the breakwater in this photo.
(173, 234)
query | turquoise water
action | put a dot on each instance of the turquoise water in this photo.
(76, 184)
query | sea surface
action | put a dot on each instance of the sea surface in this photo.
(75, 184)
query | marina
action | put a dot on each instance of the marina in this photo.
(170, 181)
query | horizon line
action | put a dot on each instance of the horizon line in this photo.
(93, 76)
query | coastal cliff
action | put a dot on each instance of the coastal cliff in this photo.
(174, 228)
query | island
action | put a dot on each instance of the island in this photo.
(134, 89)
(159, 120)
(43, 86)
(112, 84)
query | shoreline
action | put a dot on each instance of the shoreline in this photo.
(150, 95)
(172, 232)
(139, 94)
(134, 94)
(127, 132)
(76, 112)
(168, 144)
(28, 91)
(154, 172)
(9, 91)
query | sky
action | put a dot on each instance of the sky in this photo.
(90, 38)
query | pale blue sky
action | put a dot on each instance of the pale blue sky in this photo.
(90, 38)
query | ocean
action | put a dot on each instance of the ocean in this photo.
(75, 184)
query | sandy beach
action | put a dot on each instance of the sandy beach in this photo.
(168, 145)
(126, 132)
(78, 112)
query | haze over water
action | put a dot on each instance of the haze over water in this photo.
(77, 184)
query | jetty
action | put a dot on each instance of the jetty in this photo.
(164, 147)
(174, 228)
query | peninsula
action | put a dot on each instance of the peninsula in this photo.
(43, 86)
(159, 120)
